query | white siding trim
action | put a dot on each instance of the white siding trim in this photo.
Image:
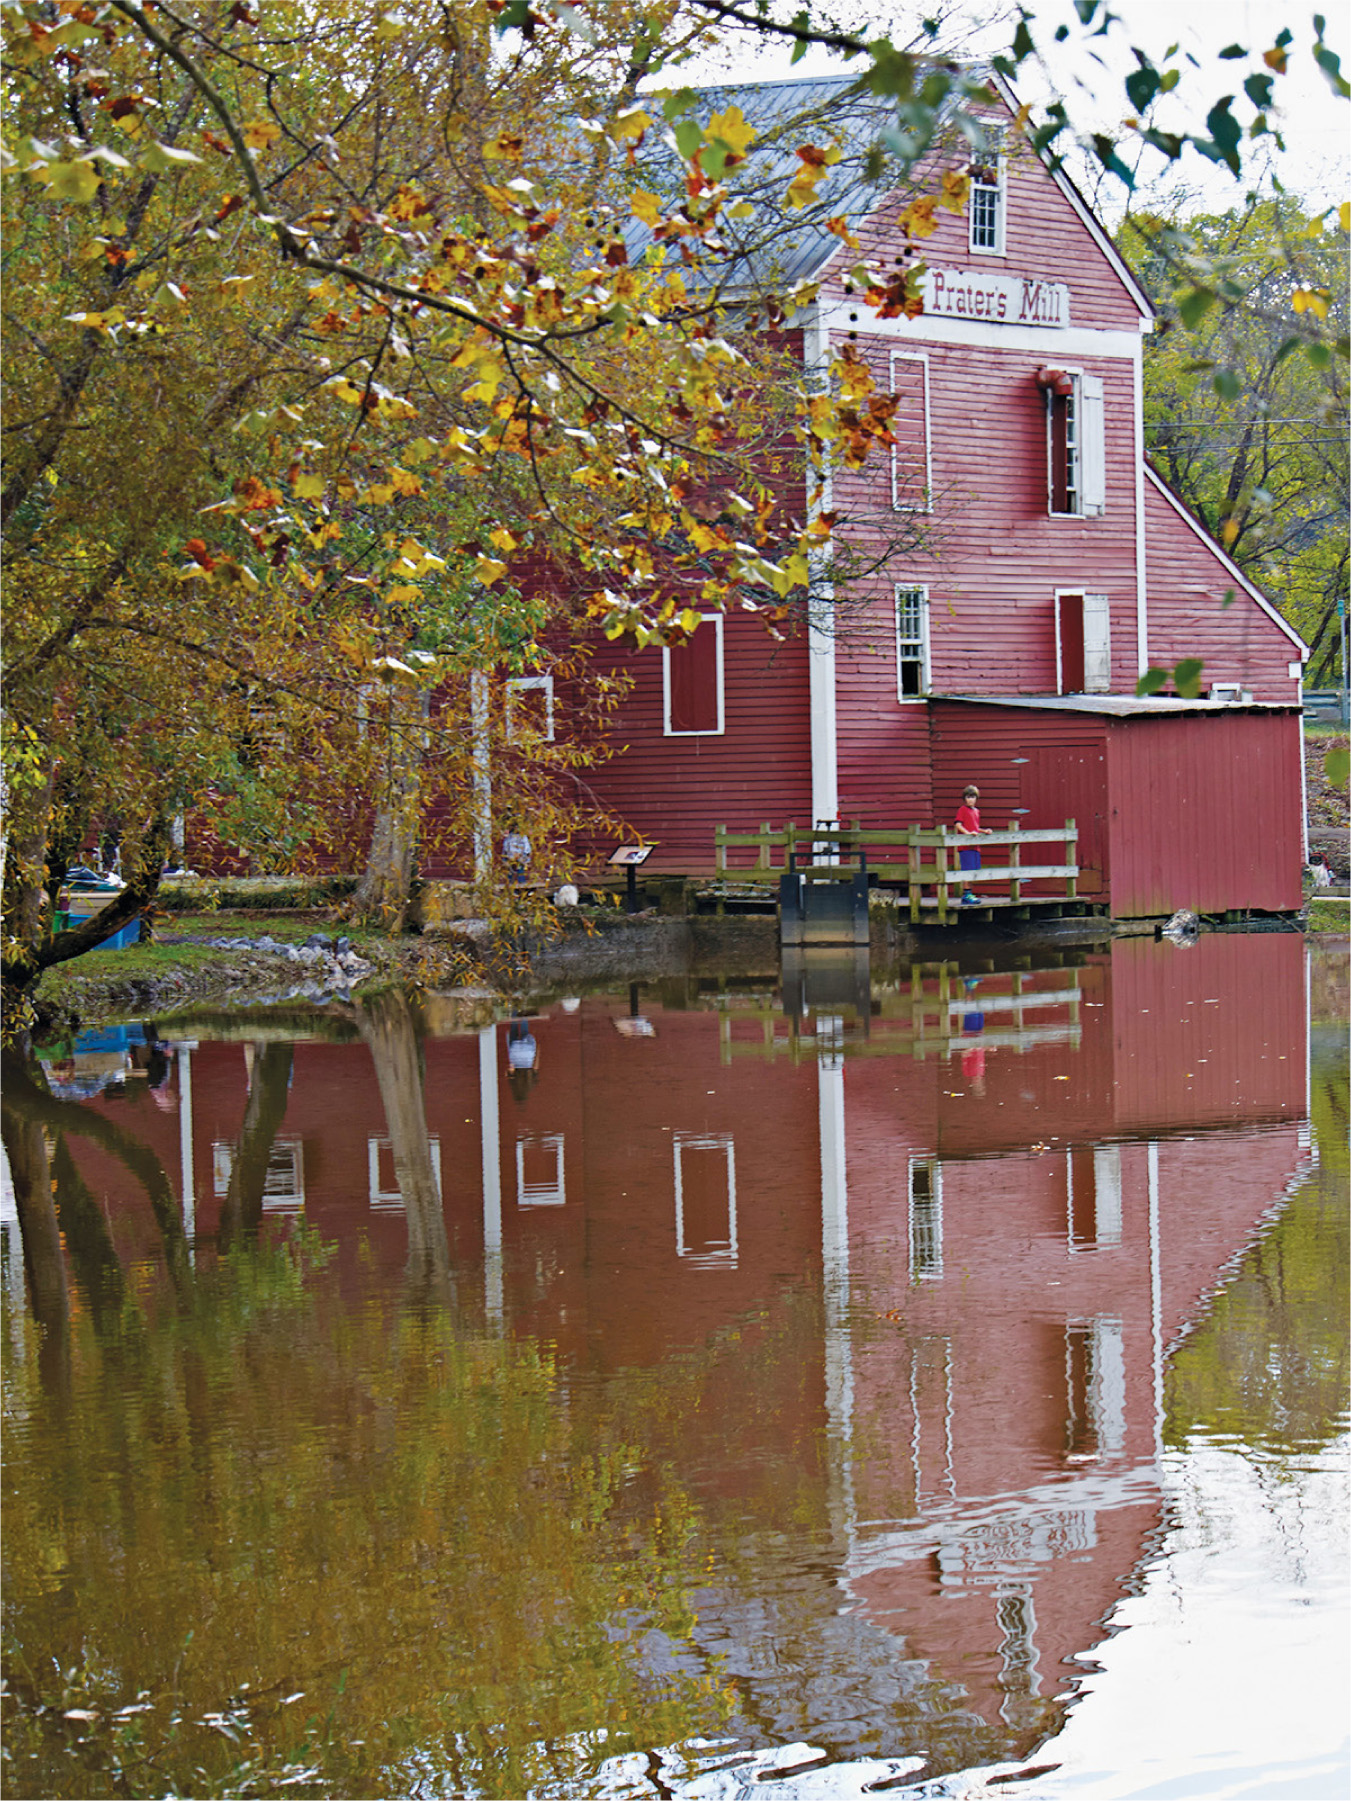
(1141, 576)
(1097, 644)
(821, 613)
(1050, 342)
(1232, 568)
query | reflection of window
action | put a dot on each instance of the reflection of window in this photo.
(530, 709)
(539, 1170)
(1095, 1382)
(912, 642)
(692, 681)
(1093, 1197)
(986, 208)
(926, 1221)
(383, 1184)
(705, 1200)
(1075, 445)
(1083, 644)
(911, 457)
(284, 1183)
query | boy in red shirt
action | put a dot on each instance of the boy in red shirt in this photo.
(968, 823)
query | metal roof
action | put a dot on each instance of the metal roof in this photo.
(779, 245)
(1119, 706)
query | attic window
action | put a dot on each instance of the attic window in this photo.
(986, 208)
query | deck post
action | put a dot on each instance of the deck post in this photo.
(1072, 845)
(912, 878)
(941, 853)
(764, 858)
(1015, 864)
(720, 849)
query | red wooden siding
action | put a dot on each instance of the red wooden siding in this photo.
(675, 790)
(1205, 813)
(1188, 580)
(1044, 238)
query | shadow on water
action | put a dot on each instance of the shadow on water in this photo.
(781, 1360)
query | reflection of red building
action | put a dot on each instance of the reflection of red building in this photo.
(1005, 1196)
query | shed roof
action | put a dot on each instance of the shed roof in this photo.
(1118, 706)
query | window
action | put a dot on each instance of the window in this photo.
(1095, 1380)
(284, 1181)
(911, 457)
(530, 709)
(985, 211)
(1083, 644)
(539, 1170)
(705, 1200)
(926, 1222)
(1075, 445)
(912, 643)
(1093, 1194)
(692, 681)
(383, 1188)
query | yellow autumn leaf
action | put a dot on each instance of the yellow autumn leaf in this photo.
(1344, 215)
(732, 128)
(689, 620)
(488, 569)
(630, 125)
(309, 486)
(403, 594)
(645, 206)
(259, 133)
(502, 539)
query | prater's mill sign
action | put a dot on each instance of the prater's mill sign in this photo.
(998, 299)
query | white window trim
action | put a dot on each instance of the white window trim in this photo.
(726, 1256)
(525, 684)
(898, 502)
(540, 1194)
(284, 1183)
(716, 620)
(933, 1272)
(391, 1199)
(1001, 214)
(1091, 448)
(926, 669)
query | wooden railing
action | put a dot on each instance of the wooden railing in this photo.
(916, 858)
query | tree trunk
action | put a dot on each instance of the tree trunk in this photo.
(269, 1089)
(386, 1022)
(384, 894)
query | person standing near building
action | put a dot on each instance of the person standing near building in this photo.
(968, 824)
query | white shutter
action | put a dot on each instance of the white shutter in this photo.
(1092, 447)
(1097, 644)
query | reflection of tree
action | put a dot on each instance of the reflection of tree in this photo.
(387, 1025)
(32, 1104)
(93, 1255)
(26, 1147)
(269, 1084)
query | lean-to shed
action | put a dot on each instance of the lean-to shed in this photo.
(1178, 803)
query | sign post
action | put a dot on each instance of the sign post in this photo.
(630, 857)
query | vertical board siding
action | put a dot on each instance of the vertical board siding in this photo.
(1205, 813)
(1188, 580)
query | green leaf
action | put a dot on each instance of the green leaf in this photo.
(1258, 90)
(1193, 304)
(1337, 766)
(689, 138)
(78, 181)
(1233, 53)
(1141, 87)
(1229, 598)
(1187, 677)
(679, 102)
(1151, 681)
(1227, 384)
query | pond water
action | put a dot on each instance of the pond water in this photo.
(810, 1380)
